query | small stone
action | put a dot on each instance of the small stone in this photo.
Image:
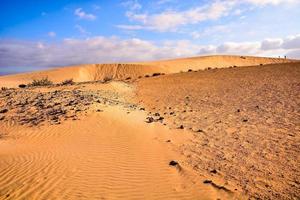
(214, 171)
(180, 127)
(245, 120)
(173, 163)
(4, 110)
(149, 119)
(207, 181)
(195, 129)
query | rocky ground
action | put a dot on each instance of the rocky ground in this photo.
(33, 107)
(245, 123)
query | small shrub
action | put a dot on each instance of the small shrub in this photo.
(234, 66)
(106, 79)
(261, 64)
(156, 74)
(4, 88)
(40, 82)
(243, 57)
(190, 70)
(128, 78)
(139, 76)
(68, 82)
(147, 76)
(22, 86)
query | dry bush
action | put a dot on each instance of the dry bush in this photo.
(68, 82)
(4, 88)
(106, 79)
(40, 82)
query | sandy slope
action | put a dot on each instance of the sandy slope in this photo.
(106, 155)
(246, 123)
(94, 72)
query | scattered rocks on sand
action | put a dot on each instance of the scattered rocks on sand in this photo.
(149, 119)
(33, 108)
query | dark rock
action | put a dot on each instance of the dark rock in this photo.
(173, 163)
(2, 118)
(180, 127)
(214, 171)
(22, 86)
(245, 120)
(149, 119)
(207, 181)
(238, 110)
(4, 110)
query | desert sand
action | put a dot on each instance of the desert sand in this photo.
(216, 127)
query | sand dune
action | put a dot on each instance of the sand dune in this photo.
(229, 133)
(123, 71)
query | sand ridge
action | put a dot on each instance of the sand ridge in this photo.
(133, 71)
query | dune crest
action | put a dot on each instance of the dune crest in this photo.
(122, 71)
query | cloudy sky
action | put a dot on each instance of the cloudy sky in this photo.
(41, 34)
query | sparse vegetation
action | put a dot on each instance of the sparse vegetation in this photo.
(4, 88)
(68, 82)
(190, 70)
(106, 79)
(147, 76)
(128, 78)
(40, 82)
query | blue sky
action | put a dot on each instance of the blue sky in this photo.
(41, 34)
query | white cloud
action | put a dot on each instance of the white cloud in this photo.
(83, 15)
(51, 34)
(268, 44)
(269, 2)
(292, 42)
(210, 31)
(112, 49)
(132, 5)
(81, 29)
(130, 27)
(171, 20)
